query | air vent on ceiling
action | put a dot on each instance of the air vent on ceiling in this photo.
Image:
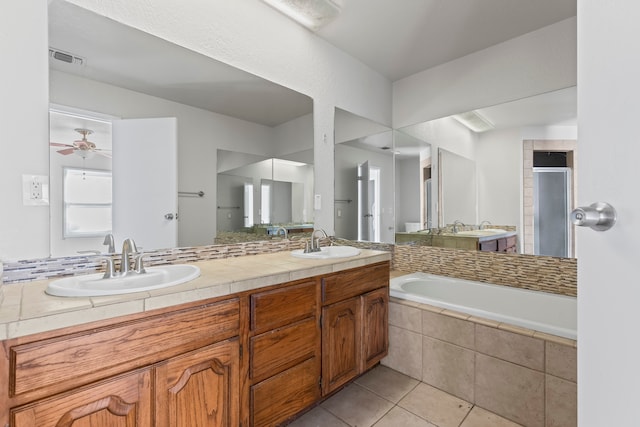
(65, 57)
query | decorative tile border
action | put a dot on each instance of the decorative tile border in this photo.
(47, 268)
(549, 274)
(538, 273)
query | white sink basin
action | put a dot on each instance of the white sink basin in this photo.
(481, 233)
(328, 252)
(92, 285)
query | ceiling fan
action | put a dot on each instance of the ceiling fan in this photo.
(81, 147)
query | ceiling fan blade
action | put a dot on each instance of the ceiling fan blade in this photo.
(104, 154)
(58, 144)
(66, 151)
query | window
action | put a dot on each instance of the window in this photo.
(87, 202)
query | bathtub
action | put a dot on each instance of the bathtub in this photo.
(539, 311)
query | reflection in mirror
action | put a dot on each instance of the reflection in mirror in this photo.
(457, 191)
(126, 73)
(364, 203)
(257, 195)
(503, 154)
(414, 189)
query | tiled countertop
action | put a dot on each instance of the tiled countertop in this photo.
(26, 309)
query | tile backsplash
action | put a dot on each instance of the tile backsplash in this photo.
(549, 274)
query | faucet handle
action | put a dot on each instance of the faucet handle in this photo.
(138, 266)
(110, 271)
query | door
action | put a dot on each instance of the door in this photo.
(248, 204)
(145, 191)
(551, 207)
(365, 200)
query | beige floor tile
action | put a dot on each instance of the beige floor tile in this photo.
(401, 417)
(357, 406)
(318, 417)
(436, 406)
(479, 417)
(387, 383)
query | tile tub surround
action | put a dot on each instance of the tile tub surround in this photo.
(537, 273)
(26, 309)
(519, 374)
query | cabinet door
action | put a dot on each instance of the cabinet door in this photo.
(375, 336)
(200, 388)
(122, 402)
(341, 341)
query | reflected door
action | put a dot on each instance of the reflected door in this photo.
(551, 205)
(366, 199)
(145, 171)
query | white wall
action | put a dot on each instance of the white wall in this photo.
(537, 62)
(499, 167)
(24, 123)
(608, 153)
(407, 192)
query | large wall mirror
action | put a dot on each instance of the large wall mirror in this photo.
(258, 196)
(500, 165)
(103, 73)
(363, 179)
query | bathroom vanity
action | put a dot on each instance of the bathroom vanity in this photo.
(255, 355)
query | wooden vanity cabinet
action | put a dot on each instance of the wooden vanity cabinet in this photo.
(176, 368)
(355, 315)
(284, 351)
(185, 366)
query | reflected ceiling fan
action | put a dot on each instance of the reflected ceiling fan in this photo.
(81, 147)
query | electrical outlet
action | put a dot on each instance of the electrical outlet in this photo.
(35, 190)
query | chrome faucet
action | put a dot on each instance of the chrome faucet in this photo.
(284, 231)
(128, 248)
(483, 223)
(456, 223)
(110, 242)
(315, 244)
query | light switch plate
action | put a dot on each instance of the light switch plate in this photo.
(317, 202)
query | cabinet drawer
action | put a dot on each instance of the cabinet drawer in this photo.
(280, 397)
(489, 246)
(277, 350)
(75, 359)
(279, 307)
(350, 283)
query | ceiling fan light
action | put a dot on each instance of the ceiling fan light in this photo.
(313, 14)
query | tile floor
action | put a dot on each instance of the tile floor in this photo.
(386, 398)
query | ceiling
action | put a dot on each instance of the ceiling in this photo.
(397, 38)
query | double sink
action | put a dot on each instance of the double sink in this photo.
(159, 277)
